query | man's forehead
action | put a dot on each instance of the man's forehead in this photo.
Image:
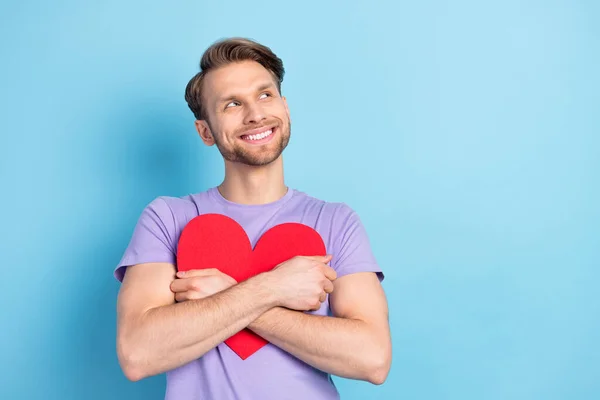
(238, 79)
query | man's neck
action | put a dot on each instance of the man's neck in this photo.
(245, 184)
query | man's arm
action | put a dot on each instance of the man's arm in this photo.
(355, 343)
(155, 334)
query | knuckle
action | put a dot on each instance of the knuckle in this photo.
(195, 284)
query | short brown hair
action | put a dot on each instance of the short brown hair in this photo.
(227, 51)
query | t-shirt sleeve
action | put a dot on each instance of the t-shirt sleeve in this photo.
(352, 252)
(152, 239)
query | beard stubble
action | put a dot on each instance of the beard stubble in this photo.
(260, 156)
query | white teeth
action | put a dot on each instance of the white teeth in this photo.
(259, 135)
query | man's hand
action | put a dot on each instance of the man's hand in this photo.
(302, 283)
(200, 283)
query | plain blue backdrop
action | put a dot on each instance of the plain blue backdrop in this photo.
(466, 136)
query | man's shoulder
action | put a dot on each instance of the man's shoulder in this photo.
(335, 208)
(175, 203)
(174, 210)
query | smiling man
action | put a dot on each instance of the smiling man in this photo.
(322, 315)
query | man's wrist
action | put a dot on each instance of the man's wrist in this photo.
(265, 287)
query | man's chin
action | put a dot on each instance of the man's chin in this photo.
(258, 162)
(260, 159)
(255, 156)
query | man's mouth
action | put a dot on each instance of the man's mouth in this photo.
(262, 135)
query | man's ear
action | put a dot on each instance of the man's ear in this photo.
(204, 132)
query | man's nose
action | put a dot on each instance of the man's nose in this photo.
(254, 114)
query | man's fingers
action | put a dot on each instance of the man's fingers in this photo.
(232, 281)
(323, 259)
(203, 272)
(198, 272)
(187, 295)
(323, 297)
(183, 296)
(180, 285)
(329, 273)
(328, 287)
(189, 283)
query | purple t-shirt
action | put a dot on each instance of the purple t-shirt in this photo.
(270, 373)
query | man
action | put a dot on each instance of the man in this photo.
(319, 319)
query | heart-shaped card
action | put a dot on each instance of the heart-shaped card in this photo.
(217, 241)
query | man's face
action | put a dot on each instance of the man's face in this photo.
(246, 116)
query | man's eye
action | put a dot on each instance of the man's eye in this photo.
(232, 103)
(265, 95)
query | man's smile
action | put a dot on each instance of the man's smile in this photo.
(260, 135)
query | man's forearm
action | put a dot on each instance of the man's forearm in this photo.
(167, 337)
(339, 346)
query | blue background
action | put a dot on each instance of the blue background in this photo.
(466, 135)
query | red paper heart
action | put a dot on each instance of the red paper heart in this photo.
(217, 241)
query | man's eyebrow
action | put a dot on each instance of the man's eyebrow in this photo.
(229, 97)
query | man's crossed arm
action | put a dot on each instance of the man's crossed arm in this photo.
(354, 343)
(156, 334)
